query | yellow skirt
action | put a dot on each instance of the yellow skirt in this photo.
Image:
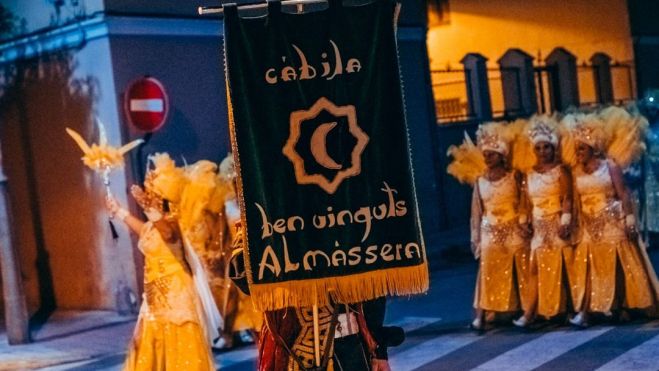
(162, 345)
(548, 263)
(596, 282)
(504, 279)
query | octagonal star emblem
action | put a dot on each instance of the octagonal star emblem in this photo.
(318, 145)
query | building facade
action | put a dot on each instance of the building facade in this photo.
(67, 62)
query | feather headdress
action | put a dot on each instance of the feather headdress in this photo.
(224, 188)
(228, 168)
(168, 180)
(613, 131)
(581, 127)
(468, 162)
(522, 157)
(495, 136)
(537, 129)
(543, 128)
(626, 135)
(201, 182)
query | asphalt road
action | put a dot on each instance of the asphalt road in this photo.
(438, 337)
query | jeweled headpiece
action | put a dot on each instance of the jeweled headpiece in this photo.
(489, 139)
(588, 129)
(543, 129)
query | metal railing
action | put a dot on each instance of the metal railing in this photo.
(452, 100)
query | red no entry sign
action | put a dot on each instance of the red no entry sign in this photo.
(146, 104)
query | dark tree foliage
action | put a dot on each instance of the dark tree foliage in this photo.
(7, 22)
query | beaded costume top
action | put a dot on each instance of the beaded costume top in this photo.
(500, 199)
(169, 292)
(601, 212)
(545, 192)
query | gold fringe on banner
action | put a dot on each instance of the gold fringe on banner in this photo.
(348, 289)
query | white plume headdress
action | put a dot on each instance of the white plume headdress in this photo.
(543, 128)
(626, 135)
(468, 163)
(612, 131)
(493, 137)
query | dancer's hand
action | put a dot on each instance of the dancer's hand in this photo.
(380, 365)
(112, 205)
(526, 230)
(115, 209)
(632, 232)
(564, 231)
(476, 250)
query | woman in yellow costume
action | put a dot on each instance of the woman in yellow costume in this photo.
(549, 192)
(239, 314)
(203, 221)
(614, 272)
(178, 319)
(495, 231)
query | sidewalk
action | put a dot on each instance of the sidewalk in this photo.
(69, 337)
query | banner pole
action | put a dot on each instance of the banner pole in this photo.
(202, 10)
(316, 329)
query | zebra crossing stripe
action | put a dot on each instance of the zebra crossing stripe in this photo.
(228, 359)
(641, 358)
(410, 324)
(430, 350)
(529, 355)
(534, 353)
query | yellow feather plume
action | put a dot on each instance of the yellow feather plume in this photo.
(201, 183)
(626, 135)
(222, 190)
(568, 152)
(468, 162)
(169, 180)
(101, 157)
(577, 125)
(522, 155)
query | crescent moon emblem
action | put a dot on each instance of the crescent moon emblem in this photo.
(319, 146)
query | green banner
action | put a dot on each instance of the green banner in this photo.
(321, 146)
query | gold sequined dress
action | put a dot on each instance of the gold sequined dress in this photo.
(169, 334)
(504, 254)
(605, 249)
(548, 251)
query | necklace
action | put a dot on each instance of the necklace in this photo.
(547, 177)
(493, 179)
(544, 170)
(587, 167)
